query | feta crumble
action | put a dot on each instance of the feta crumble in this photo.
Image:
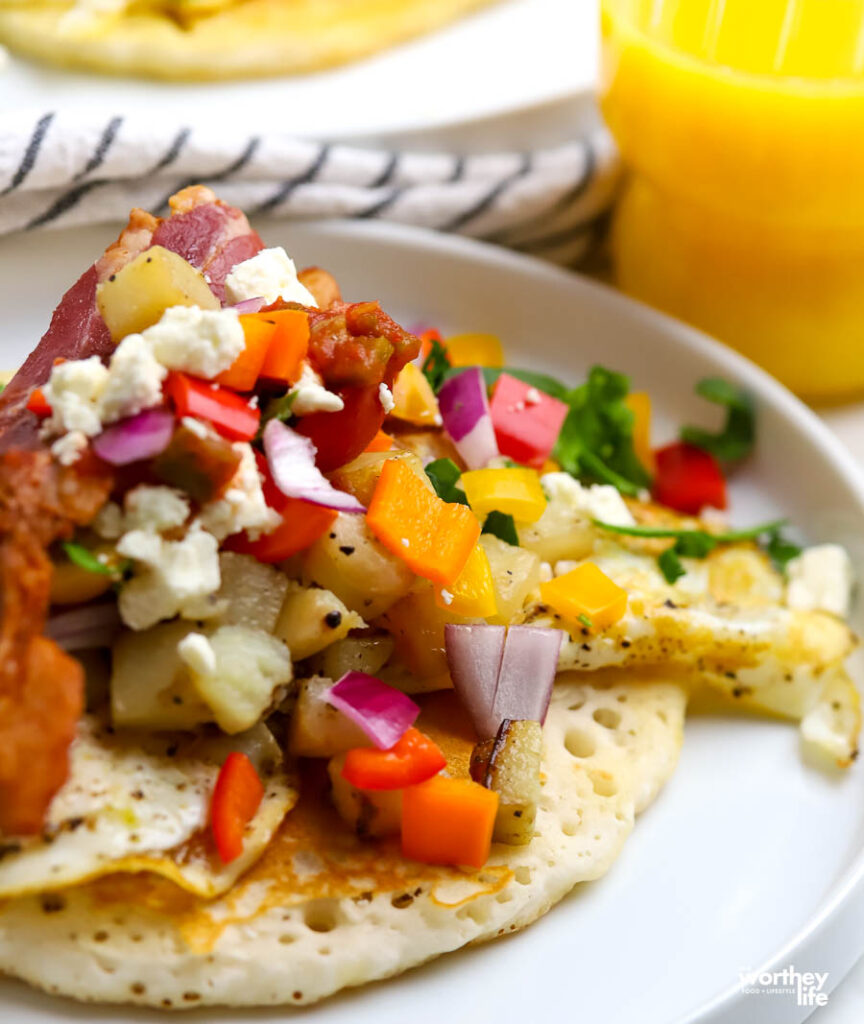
(242, 505)
(820, 579)
(597, 501)
(155, 508)
(203, 342)
(74, 391)
(69, 448)
(197, 652)
(311, 395)
(385, 396)
(134, 380)
(269, 275)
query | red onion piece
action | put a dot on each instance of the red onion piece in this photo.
(464, 407)
(291, 458)
(474, 656)
(93, 625)
(381, 711)
(527, 673)
(250, 305)
(139, 437)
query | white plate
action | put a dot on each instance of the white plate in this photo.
(508, 58)
(748, 856)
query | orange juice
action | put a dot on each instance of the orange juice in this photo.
(742, 122)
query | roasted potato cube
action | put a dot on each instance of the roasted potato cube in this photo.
(366, 654)
(360, 476)
(150, 684)
(253, 592)
(322, 284)
(516, 573)
(317, 729)
(510, 765)
(137, 295)
(369, 813)
(362, 573)
(561, 532)
(311, 618)
(428, 445)
(243, 677)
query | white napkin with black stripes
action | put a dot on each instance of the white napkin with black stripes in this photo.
(62, 170)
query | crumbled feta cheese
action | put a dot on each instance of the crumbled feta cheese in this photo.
(196, 427)
(73, 392)
(532, 397)
(546, 572)
(155, 508)
(820, 579)
(446, 596)
(385, 396)
(172, 576)
(242, 505)
(200, 341)
(109, 521)
(597, 501)
(134, 380)
(197, 652)
(69, 448)
(269, 275)
(311, 395)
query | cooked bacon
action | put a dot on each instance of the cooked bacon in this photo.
(41, 688)
(211, 235)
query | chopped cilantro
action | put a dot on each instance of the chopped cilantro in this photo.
(85, 559)
(277, 409)
(585, 621)
(780, 550)
(738, 435)
(670, 565)
(437, 364)
(502, 526)
(444, 475)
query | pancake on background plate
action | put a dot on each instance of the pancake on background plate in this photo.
(326, 649)
(216, 39)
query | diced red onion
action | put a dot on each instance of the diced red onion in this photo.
(502, 673)
(381, 711)
(250, 305)
(527, 673)
(291, 458)
(93, 625)
(474, 655)
(139, 437)
(464, 407)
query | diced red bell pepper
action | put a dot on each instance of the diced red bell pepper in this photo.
(236, 798)
(302, 524)
(412, 759)
(527, 421)
(688, 479)
(38, 403)
(232, 416)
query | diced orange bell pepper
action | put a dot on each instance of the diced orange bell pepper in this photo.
(243, 373)
(426, 339)
(433, 537)
(231, 415)
(415, 402)
(414, 758)
(639, 403)
(448, 821)
(475, 350)
(38, 403)
(585, 597)
(472, 594)
(289, 345)
(381, 442)
(236, 798)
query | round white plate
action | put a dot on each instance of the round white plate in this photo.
(508, 58)
(749, 856)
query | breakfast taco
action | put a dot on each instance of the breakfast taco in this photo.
(328, 647)
(216, 39)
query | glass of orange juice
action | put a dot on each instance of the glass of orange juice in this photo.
(742, 125)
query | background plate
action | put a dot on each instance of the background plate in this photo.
(749, 856)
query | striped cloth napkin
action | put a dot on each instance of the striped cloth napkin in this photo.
(60, 170)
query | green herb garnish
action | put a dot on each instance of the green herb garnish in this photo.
(437, 365)
(444, 475)
(277, 409)
(85, 559)
(670, 565)
(738, 435)
(780, 550)
(502, 526)
(586, 622)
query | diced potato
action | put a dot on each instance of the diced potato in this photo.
(360, 476)
(150, 684)
(70, 584)
(136, 296)
(351, 563)
(369, 813)
(366, 654)
(322, 284)
(253, 592)
(429, 445)
(510, 765)
(561, 532)
(516, 573)
(251, 667)
(317, 729)
(311, 618)
(258, 744)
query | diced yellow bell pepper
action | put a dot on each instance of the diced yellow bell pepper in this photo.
(516, 492)
(473, 593)
(639, 403)
(550, 466)
(475, 350)
(585, 596)
(415, 402)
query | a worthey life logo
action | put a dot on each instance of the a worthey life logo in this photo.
(807, 987)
